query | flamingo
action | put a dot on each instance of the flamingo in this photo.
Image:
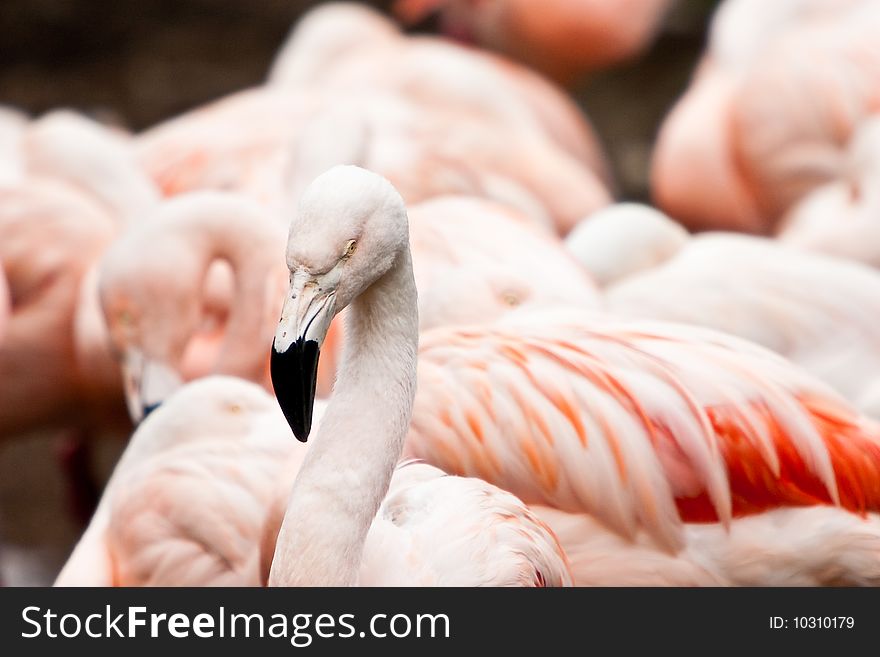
(841, 218)
(623, 239)
(425, 152)
(354, 516)
(187, 501)
(191, 291)
(479, 131)
(344, 47)
(817, 311)
(565, 39)
(42, 383)
(772, 105)
(77, 186)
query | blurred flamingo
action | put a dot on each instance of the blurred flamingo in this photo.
(772, 105)
(473, 128)
(565, 39)
(50, 236)
(345, 47)
(194, 291)
(78, 186)
(97, 161)
(187, 502)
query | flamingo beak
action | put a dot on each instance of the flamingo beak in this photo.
(305, 320)
(147, 383)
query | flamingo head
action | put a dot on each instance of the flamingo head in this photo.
(349, 229)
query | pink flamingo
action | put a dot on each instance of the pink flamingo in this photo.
(200, 299)
(187, 502)
(65, 205)
(762, 124)
(565, 39)
(686, 446)
(41, 379)
(346, 47)
(489, 134)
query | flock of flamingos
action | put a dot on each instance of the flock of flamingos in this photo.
(404, 252)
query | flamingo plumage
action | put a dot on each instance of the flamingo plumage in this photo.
(649, 429)
(815, 310)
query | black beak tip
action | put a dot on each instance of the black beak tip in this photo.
(147, 409)
(294, 378)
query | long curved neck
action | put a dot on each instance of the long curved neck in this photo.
(251, 245)
(347, 470)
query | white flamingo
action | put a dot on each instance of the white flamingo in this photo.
(353, 516)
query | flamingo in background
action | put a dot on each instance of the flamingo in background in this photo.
(344, 47)
(353, 516)
(564, 39)
(97, 161)
(480, 130)
(773, 103)
(67, 202)
(193, 291)
(842, 218)
(187, 502)
(40, 376)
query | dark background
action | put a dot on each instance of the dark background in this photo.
(136, 62)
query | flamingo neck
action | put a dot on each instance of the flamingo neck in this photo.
(249, 244)
(347, 471)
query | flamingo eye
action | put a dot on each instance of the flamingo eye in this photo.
(350, 248)
(125, 318)
(511, 299)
